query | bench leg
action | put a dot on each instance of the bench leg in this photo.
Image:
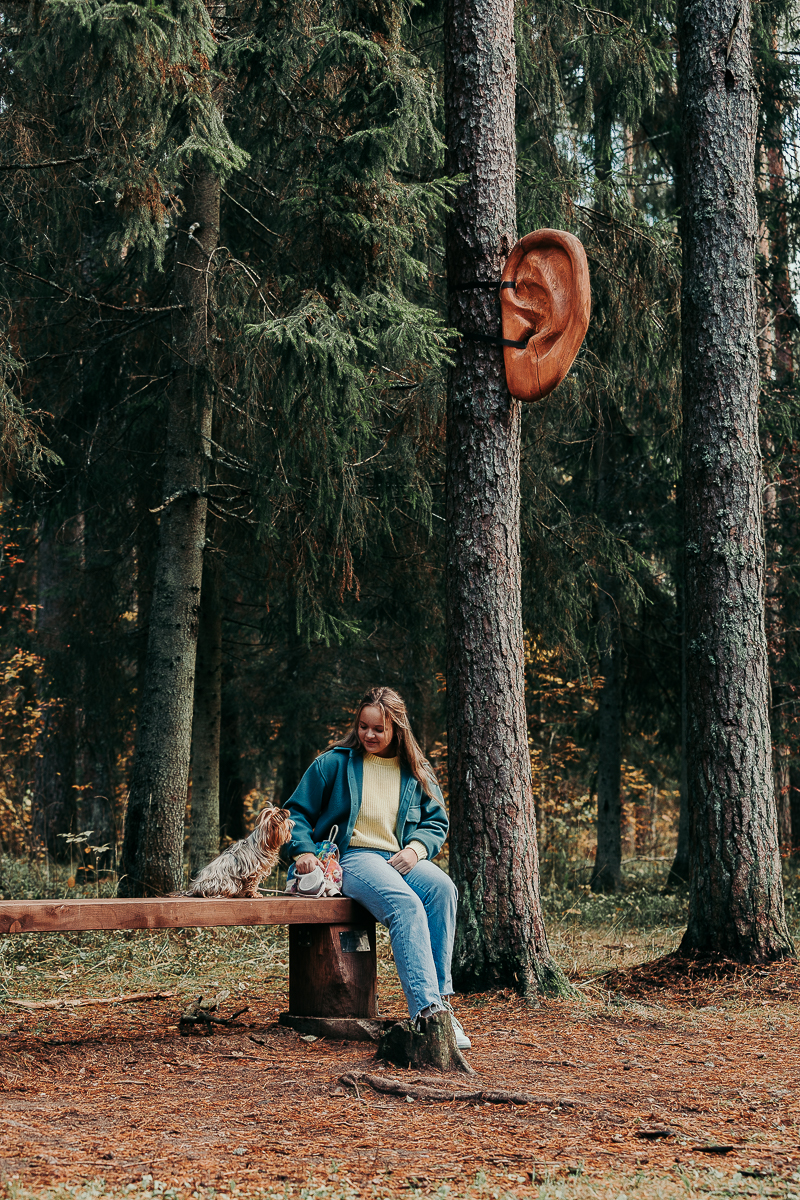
(333, 970)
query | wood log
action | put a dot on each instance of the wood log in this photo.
(333, 970)
(173, 912)
(429, 1043)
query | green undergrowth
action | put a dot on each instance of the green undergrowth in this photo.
(639, 908)
(685, 1182)
(44, 966)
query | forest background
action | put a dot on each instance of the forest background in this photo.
(318, 133)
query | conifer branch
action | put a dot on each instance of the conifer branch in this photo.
(195, 493)
(50, 162)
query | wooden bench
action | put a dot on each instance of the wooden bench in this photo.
(332, 957)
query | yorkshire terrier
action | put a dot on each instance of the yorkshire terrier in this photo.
(239, 869)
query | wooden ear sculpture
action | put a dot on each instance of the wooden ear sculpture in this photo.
(545, 302)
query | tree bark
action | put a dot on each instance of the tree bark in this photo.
(152, 849)
(500, 936)
(204, 826)
(736, 894)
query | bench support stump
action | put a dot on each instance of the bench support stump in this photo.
(333, 970)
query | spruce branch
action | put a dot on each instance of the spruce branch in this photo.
(50, 162)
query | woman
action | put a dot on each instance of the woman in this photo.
(380, 791)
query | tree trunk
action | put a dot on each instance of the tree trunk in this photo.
(736, 894)
(98, 748)
(607, 873)
(298, 747)
(794, 806)
(53, 805)
(204, 827)
(500, 937)
(232, 784)
(430, 1042)
(680, 871)
(152, 850)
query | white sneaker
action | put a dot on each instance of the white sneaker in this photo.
(462, 1041)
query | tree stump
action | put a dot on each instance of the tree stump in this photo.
(431, 1044)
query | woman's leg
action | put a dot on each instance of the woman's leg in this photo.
(439, 895)
(383, 891)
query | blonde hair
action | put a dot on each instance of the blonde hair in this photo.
(408, 748)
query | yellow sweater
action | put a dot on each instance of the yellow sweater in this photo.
(380, 803)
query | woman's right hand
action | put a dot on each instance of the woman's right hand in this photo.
(305, 863)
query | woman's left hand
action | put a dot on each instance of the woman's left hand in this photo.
(404, 860)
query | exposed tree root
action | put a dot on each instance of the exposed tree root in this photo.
(398, 1087)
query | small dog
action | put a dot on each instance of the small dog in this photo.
(239, 869)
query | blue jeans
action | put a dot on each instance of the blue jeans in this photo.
(419, 910)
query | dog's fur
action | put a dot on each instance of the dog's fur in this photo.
(239, 869)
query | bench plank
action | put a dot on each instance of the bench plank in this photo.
(173, 912)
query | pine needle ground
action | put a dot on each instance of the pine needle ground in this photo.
(655, 1086)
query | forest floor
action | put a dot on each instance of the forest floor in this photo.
(655, 1083)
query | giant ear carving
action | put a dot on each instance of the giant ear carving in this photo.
(545, 302)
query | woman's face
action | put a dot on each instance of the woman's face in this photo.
(375, 732)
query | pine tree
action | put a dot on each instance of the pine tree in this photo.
(736, 895)
(500, 937)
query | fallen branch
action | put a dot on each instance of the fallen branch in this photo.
(396, 1087)
(201, 1012)
(134, 996)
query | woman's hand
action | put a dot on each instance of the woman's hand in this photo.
(305, 863)
(404, 860)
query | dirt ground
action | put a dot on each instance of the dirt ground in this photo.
(655, 1075)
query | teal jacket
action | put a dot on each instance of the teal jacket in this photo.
(330, 794)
